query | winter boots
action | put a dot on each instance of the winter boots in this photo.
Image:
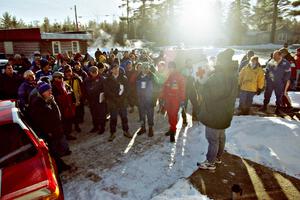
(168, 133)
(127, 134)
(111, 137)
(150, 133)
(172, 137)
(142, 130)
(263, 108)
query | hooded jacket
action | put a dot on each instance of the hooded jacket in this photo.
(218, 95)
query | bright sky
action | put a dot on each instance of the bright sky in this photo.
(58, 10)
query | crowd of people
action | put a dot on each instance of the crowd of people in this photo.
(52, 93)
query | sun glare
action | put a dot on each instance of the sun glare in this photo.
(197, 19)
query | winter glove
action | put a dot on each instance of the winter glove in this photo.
(121, 91)
(259, 91)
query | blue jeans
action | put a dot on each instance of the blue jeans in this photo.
(114, 118)
(246, 99)
(146, 109)
(216, 143)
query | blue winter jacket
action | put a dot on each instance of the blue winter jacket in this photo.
(23, 94)
(279, 74)
(144, 85)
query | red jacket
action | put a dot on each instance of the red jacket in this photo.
(297, 61)
(173, 91)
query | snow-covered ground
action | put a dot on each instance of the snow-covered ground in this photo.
(295, 99)
(269, 46)
(182, 190)
(146, 168)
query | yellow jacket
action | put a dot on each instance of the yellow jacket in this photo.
(251, 79)
(75, 84)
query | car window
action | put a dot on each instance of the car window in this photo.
(15, 146)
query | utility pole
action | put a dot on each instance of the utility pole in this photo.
(76, 21)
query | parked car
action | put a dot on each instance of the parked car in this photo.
(3, 62)
(27, 171)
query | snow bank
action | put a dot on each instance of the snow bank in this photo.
(273, 142)
(182, 190)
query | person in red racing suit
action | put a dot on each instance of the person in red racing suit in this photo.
(173, 96)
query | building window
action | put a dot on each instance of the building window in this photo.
(56, 47)
(282, 37)
(8, 47)
(75, 47)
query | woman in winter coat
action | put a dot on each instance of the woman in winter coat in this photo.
(251, 82)
(64, 97)
(73, 80)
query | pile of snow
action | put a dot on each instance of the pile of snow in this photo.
(182, 190)
(270, 141)
(295, 99)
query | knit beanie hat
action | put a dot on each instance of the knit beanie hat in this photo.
(43, 87)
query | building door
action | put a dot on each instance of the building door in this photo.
(8, 47)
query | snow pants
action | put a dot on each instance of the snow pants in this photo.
(216, 143)
(114, 119)
(279, 91)
(172, 111)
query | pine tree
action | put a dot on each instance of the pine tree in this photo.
(262, 15)
(269, 14)
(6, 20)
(280, 8)
(46, 25)
(14, 22)
(295, 4)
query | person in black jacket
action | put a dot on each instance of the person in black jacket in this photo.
(218, 95)
(9, 83)
(95, 96)
(46, 120)
(116, 92)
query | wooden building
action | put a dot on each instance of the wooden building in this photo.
(26, 41)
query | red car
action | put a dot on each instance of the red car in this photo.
(27, 170)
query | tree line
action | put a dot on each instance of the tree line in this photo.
(153, 20)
